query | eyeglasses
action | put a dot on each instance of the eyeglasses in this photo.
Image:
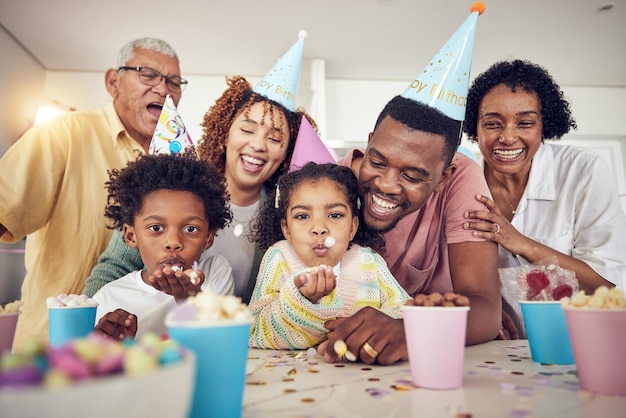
(151, 77)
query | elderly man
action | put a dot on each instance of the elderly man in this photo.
(52, 181)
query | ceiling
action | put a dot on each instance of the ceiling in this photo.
(358, 39)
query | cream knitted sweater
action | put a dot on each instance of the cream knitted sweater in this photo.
(285, 319)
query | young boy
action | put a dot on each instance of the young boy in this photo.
(169, 207)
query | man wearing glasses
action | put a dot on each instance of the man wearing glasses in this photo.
(52, 179)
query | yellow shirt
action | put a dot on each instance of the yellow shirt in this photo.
(52, 190)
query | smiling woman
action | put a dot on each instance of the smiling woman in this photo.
(548, 200)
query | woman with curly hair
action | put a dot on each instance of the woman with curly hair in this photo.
(549, 200)
(250, 139)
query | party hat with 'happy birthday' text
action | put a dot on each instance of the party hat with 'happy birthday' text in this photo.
(171, 135)
(444, 82)
(309, 148)
(280, 84)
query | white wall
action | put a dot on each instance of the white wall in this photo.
(21, 83)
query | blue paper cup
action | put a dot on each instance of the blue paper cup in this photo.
(221, 352)
(547, 333)
(69, 323)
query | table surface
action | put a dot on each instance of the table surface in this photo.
(500, 380)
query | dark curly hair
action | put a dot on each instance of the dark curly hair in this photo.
(420, 117)
(239, 97)
(129, 186)
(265, 228)
(556, 115)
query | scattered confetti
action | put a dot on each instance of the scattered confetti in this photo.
(507, 386)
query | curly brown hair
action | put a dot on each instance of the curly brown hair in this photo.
(266, 229)
(239, 97)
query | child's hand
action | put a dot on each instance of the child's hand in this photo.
(316, 284)
(180, 284)
(118, 324)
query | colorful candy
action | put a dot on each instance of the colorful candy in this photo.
(92, 356)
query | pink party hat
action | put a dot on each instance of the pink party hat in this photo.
(444, 82)
(171, 135)
(309, 148)
(280, 84)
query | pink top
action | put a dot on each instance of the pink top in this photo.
(417, 253)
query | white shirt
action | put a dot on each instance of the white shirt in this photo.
(151, 306)
(571, 204)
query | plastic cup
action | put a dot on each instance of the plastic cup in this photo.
(547, 333)
(435, 338)
(599, 344)
(8, 323)
(69, 323)
(221, 351)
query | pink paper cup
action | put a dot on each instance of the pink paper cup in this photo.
(599, 344)
(8, 323)
(69, 323)
(435, 338)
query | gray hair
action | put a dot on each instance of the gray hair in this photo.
(150, 44)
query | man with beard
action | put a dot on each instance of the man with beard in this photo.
(417, 189)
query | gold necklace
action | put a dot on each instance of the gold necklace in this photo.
(501, 191)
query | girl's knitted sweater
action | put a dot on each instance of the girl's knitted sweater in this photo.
(285, 319)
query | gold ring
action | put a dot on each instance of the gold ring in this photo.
(370, 350)
(497, 228)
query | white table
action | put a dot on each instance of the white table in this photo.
(500, 380)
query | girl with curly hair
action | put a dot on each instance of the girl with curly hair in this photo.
(321, 263)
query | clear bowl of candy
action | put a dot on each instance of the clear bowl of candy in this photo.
(98, 377)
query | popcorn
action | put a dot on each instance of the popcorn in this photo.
(211, 307)
(329, 242)
(70, 301)
(11, 307)
(602, 298)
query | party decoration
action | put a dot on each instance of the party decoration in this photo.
(280, 84)
(171, 135)
(443, 84)
(309, 148)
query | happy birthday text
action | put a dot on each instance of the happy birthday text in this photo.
(279, 90)
(436, 90)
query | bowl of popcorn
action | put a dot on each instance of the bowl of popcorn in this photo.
(596, 325)
(9, 314)
(97, 376)
(217, 329)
